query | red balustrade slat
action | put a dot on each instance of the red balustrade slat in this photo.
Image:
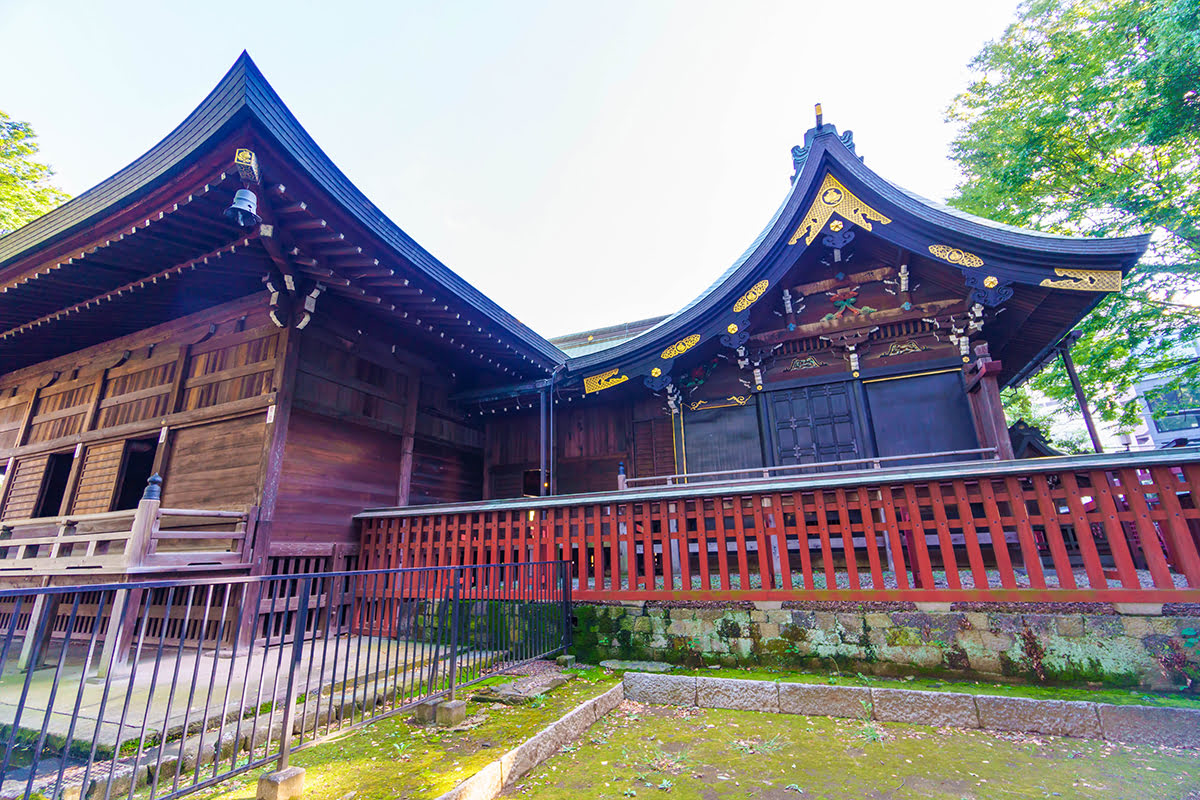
(945, 543)
(663, 539)
(1175, 525)
(765, 568)
(1054, 535)
(891, 520)
(781, 542)
(923, 570)
(1135, 498)
(847, 532)
(1083, 531)
(822, 517)
(999, 537)
(1029, 550)
(966, 518)
(696, 515)
(683, 542)
(718, 520)
(1114, 529)
(863, 499)
(739, 534)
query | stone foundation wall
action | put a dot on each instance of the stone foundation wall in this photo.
(1104, 647)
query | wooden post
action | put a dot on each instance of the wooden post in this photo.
(1065, 352)
(542, 483)
(41, 616)
(115, 653)
(983, 394)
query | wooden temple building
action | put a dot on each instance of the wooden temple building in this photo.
(231, 314)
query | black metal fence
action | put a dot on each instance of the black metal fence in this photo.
(159, 688)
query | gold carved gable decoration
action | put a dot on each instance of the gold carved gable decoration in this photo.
(960, 258)
(605, 380)
(1085, 280)
(682, 346)
(750, 297)
(834, 198)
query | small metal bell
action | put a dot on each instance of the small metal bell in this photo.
(244, 208)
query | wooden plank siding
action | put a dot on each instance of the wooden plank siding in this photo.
(98, 478)
(215, 465)
(24, 486)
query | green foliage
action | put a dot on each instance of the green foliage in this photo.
(1084, 118)
(25, 189)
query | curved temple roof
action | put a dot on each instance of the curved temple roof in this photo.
(242, 95)
(902, 218)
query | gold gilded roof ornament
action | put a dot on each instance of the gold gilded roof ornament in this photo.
(834, 198)
(959, 258)
(751, 296)
(605, 380)
(682, 346)
(1085, 280)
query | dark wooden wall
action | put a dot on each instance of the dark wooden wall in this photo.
(201, 386)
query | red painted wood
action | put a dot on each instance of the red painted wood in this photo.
(991, 510)
(822, 518)
(1020, 517)
(1135, 498)
(781, 541)
(697, 514)
(945, 545)
(763, 555)
(1175, 525)
(863, 501)
(718, 517)
(923, 570)
(966, 518)
(1054, 536)
(847, 532)
(1083, 532)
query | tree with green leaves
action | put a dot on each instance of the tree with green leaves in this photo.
(25, 189)
(1084, 118)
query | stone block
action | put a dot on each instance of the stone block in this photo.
(996, 642)
(817, 699)
(1139, 609)
(1004, 623)
(1137, 627)
(986, 662)
(934, 608)
(123, 777)
(451, 712)
(1071, 626)
(670, 690)
(739, 694)
(804, 619)
(758, 616)
(427, 712)
(768, 630)
(977, 620)
(281, 785)
(565, 661)
(877, 620)
(1103, 624)
(483, 785)
(1170, 727)
(606, 702)
(853, 623)
(925, 708)
(768, 605)
(1055, 717)
(779, 617)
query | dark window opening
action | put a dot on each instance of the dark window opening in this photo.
(54, 484)
(532, 484)
(136, 467)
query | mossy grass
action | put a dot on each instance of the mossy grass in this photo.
(1106, 694)
(398, 759)
(683, 753)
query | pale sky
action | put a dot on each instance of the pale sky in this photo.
(583, 164)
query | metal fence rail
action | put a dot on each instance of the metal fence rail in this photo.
(193, 704)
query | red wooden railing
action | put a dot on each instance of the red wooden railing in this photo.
(1117, 528)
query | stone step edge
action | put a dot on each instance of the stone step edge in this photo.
(1131, 724)
(490, 781)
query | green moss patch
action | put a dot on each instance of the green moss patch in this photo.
(657, 751)
(1098, 695)
(398, 759)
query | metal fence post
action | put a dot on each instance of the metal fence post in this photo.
(454, 617)
(289, 709)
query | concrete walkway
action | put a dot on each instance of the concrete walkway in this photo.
(178, 691)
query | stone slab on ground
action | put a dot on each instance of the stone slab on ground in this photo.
(1056, 717)
(522, 690)
(739, 694)
(451, 712)
(925, 708)
(668, 690)
(821, 700)
(1172, 727)
(635, 666)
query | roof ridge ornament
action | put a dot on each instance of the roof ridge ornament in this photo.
(800, 152)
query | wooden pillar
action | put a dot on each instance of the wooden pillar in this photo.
(117, 643)
(542, 397)
(1069, 363)
(983, 394)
